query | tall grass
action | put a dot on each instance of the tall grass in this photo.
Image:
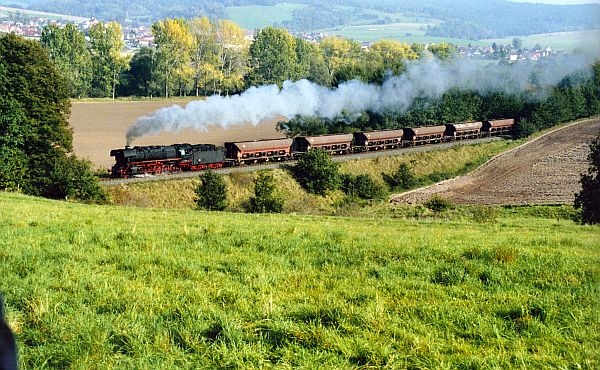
(118, 287)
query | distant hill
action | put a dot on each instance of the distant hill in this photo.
(466, 19)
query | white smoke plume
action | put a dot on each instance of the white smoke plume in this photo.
(430, 78)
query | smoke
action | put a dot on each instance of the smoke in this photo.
(430, 78)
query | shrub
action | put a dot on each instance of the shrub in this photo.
(588, 199)
(361, 186)
(438, 204)
(211, 193)
(524, 128)
(265, 199)
(484, 214)
(316, 172)
(402, 179)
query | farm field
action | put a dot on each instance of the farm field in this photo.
(544, 170)
(100, 126)
(100, 287)
(5, 10)
(258, 16)
(577, 40)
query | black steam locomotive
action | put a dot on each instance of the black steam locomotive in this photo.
(154, 160)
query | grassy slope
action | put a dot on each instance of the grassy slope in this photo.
(116, 287)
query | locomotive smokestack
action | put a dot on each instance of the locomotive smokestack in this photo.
(428, 79)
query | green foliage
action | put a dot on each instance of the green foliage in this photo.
(68, 51)
(402, 179)
(484, 214)
(438, 204)
(106, 42)
(138, 79)
(265, 199)
(588, 199)
(524, 128)
(72, 178)
(316, 172)
(13, 136)
(36, 137)
(211, 193)
(273, 57)
(361, 186)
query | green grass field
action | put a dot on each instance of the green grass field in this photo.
(258, 16)
(96, 287)
(581, 40)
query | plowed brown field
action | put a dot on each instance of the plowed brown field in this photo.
(545, 170)
(99, 127)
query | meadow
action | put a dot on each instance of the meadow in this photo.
(95, 287)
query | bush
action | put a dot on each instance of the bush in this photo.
(438, 204)
(316, 172)
(402, 179)
(588, 199)
(485, 214)
(361, 186)
(524, 128)
(211, 194)
(265, 199)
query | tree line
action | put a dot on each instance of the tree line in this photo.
(575, 96)
(204, 57)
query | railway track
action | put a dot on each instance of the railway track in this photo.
(265, 166)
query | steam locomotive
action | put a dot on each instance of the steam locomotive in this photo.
(155, 160)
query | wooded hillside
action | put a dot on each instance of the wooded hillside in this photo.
(461, 18)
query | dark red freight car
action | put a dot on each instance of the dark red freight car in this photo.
(498, 127)
(423, 135)
(334, 144)
(258, 151)
(459, 131)
(377, 140)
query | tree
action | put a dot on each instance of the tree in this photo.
(233, 54)
(205, 56)
(106, 42)
(174, 46)
(13, 135)
(68, 51)
(211, 193)
(443, 50)
(273, 57)
(339, 54)
(316, 172)
(36, 137)
(588, 199)
(517, 43)
(392, 55)
(311, 64)
(265, 199)
(139, 75)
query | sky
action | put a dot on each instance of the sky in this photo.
(559, 2)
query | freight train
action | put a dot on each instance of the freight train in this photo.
(154, 160)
